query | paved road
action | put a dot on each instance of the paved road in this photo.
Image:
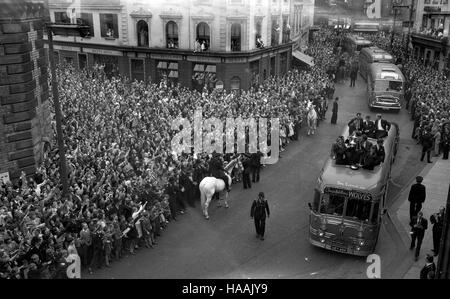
(226, 246)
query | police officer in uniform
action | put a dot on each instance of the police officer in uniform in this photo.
(217, 170)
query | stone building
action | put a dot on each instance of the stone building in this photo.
(25, 124)
(231, 44)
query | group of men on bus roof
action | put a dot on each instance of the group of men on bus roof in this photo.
(357, 149)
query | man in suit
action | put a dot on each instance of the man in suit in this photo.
(382, 127)
(418, 227)
(353, 76)
(368, 127)
(259, 211)
(256, 166)
(437, 220)
(416, 197)
(356, 124)
(334, 111)
(429, 270)
(379, 149)
(247, 165)
(427, 145)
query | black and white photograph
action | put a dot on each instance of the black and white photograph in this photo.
(223, 146)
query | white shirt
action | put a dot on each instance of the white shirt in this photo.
(380, 127)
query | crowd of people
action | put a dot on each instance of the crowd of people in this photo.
(125, 183)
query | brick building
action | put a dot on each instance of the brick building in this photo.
(25, 124)
(158, 39)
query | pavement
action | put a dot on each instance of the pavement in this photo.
(436, 180)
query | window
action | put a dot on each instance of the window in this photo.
(332, 204)
(258, 39)
(254, 68)
(142, 32)
(272, 66)
(236, 37)
(395, 85)
(82, 61)
(286, 30)
(204, 75)
(375, 211)
(62, 17)
(137, 70)
(283, 63)
(68, 60)
(86, 19)
(358, 209)
(167, 71)
(203, 37)
(275, 33)
(108, 63)
(109, 26)
(235, 83)
(171, 35)
(316, 202)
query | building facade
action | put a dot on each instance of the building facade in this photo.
(430, 39)
(25, 117)
(229, 44)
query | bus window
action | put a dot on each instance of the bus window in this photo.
(395, 85)
(374, 218)
(358, 209)
(316, 200)
(332, 204)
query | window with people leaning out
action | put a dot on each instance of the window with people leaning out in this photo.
(109, 26)
(86, 19)
(61, 17)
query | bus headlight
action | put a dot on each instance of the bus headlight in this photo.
(358, 248)
(321, 234)
(361, 243)
(322, 240)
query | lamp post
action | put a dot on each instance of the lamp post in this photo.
(63, 29)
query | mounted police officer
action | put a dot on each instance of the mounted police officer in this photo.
(217, 170)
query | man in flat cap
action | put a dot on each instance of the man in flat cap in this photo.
(416, 197)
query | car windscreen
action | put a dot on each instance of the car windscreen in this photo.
(332, 204)
(358, 209)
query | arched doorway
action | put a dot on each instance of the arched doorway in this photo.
(142, 33)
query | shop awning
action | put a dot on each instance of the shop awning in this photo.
(173, 74)
(173, 66)
(199, 68)
(303, 58)
(211, 68)
(162, 65)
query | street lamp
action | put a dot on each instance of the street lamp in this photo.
(68, 30)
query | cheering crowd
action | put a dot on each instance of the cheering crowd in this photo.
(125, 184)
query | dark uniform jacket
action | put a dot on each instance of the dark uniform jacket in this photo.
(260, 209)
(417, 194)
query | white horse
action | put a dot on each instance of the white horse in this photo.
(312, 120)
(210, 185)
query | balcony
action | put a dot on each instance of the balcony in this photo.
(430, 40)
